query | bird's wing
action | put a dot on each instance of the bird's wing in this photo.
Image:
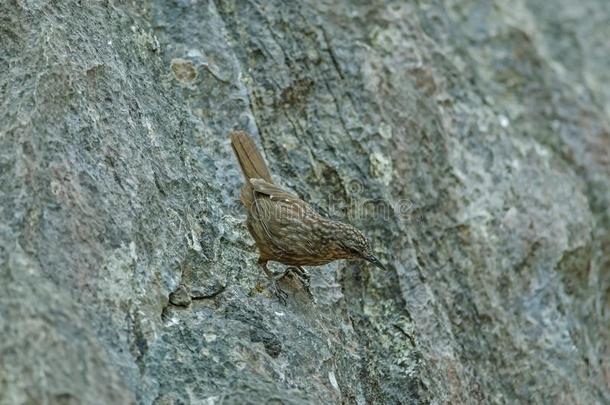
(274, 192)
(280, 217)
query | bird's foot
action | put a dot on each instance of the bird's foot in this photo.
(301, 274)
(281, 274)
(303, 277)
(277, 291)
(273, 283)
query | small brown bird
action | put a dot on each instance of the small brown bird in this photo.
(286, 229)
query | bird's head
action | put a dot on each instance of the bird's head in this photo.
(354, 245)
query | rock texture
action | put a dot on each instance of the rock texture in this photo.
(470, 140)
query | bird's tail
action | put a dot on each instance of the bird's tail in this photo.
(252, 164)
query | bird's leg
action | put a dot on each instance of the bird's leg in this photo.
(279, 293)
(281, 274)
(303, 276)
(298, 270)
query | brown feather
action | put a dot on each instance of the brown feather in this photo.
(250, 160)
(286, 229)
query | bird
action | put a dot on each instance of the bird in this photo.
(285, 228)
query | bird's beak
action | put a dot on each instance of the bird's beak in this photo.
(375, 261)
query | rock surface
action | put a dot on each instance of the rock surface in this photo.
(470, 140)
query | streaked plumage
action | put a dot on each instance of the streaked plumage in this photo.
(286, 229)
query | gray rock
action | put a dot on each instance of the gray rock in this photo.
(469, 140)
(181, 296)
